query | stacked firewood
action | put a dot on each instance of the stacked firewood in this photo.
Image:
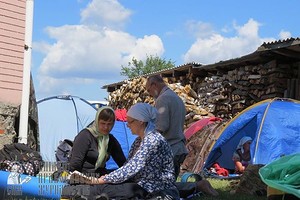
(134, 91)
(223, 94)
(131, 92)
(228, 93)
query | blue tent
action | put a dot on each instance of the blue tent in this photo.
(125, 138)
(274, 126)
(63, 116)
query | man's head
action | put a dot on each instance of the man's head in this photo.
(154, 85)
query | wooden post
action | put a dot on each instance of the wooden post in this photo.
(297, 89)
(288, 89)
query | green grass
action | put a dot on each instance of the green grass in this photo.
(224, 187)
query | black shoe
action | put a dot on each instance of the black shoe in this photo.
(80, 198)
(102, 196)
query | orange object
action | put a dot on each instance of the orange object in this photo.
(272, 191)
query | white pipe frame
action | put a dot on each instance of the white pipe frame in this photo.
(24, 110)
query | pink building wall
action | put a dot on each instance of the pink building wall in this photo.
(12, 39)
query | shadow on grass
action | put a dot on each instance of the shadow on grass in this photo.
(225, 189)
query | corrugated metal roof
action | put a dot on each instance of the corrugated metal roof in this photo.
(287, 50)
(283, 50)
(174, 71)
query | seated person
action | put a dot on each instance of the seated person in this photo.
(148, 171)
(93, 146)
(241, 156)
(149, 168)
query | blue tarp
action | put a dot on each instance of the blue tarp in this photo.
(274, 126)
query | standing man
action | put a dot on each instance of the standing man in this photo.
(170, 117)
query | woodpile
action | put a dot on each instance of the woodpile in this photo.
(131, 92)
(230, 92)
(223, 94)
(134, 91)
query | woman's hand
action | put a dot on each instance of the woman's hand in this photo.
(239, 167)
(98, 181)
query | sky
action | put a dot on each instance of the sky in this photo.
(78, 46)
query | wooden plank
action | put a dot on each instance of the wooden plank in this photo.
(13, 20)
(13, 41)
(13, 1)
(7, 59)
(19, 14)
(9, 71)
(12, 47)
(11, 78)
(12, 5)
(288, 89)
(11, 53)
(292, 94)
(12, 34)
(11, 66)
(11, 85)
(297, 89)
(11, 27)
(254, 76)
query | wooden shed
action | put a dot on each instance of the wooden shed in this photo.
(225, 88)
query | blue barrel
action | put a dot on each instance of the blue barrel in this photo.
(13, 184)
(187, 175)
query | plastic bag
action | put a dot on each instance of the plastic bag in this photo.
(283, 174)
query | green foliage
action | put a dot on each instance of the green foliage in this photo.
(152, 64)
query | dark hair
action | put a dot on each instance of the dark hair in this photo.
(155, 79)
(107, 115)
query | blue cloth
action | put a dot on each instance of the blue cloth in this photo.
(143, 112)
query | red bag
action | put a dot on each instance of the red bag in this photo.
(220, 170)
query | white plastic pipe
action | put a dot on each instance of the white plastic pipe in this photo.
(23, 125)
